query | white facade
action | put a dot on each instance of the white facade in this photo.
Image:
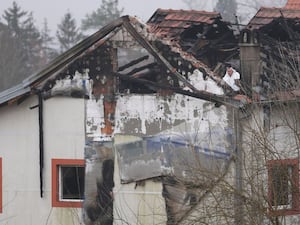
(19, 138)
(174, 116)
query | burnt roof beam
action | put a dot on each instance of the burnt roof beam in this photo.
(133, 62)
(156, 55)
(138, 69)
(223, 100)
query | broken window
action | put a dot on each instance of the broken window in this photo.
(67, 182)
(284, 185)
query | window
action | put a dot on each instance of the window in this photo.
(284, 186)
(67, 182)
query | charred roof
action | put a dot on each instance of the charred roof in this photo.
(171, 23)
(201, 33)
(104, 57)
(276, 33)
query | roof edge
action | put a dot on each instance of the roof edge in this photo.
(14, 92)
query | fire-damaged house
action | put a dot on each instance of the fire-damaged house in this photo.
(269, 56)
(106, 127)
(131, 126)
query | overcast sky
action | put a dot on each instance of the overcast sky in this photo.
(53, 10)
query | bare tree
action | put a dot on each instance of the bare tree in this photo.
(260, 182)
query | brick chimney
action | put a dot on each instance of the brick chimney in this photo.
(250, 60)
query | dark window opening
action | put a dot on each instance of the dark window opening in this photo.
(284, 186)
(281, 185)
(72, 182)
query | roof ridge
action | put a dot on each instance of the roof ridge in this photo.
(186, 10)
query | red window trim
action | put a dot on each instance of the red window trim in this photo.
(295, 196)
(55, 182)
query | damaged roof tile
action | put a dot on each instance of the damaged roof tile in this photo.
(173, 22)
(265, 15)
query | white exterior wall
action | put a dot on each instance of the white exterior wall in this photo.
(145, 204)
(141, 204)
(280, 143)
(19, 138)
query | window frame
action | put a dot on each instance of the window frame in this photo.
(295, 204)
(57, 201)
